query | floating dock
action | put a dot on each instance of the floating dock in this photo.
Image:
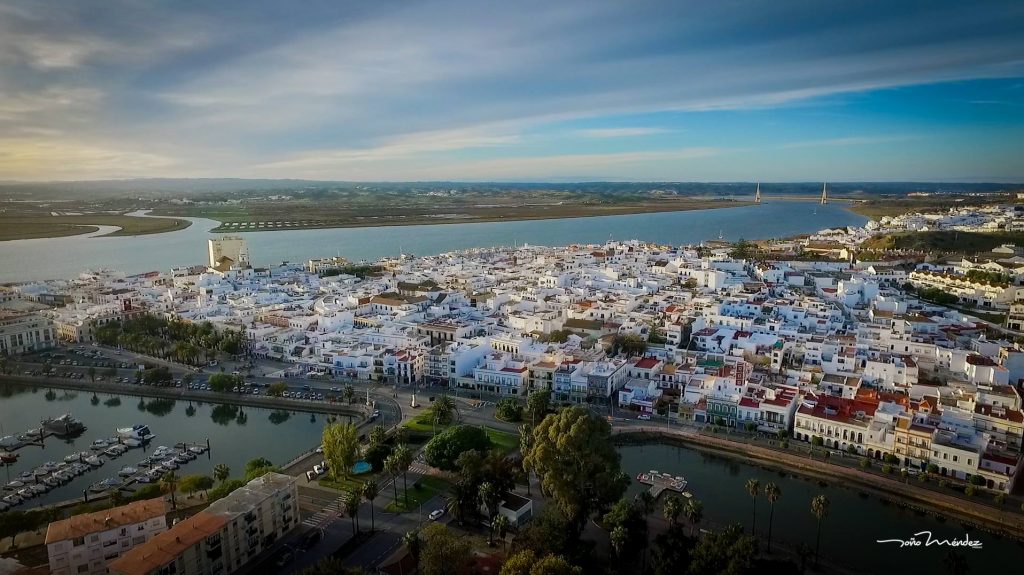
(661, 482)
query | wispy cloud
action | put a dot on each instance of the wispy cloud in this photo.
(620, 132)
(848, 141)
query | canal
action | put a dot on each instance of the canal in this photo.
(849, 534)
(236, 434)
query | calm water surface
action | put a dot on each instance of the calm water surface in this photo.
(49, 258)
(278, 435)
(850, 531)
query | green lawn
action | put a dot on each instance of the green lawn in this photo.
(424, 424)
(353, 483)
(429, 487)
(503, 441)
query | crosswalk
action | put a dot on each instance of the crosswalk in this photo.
(329, 513)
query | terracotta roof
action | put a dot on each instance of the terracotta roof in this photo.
(86, 523)
(165, 547)
(647, 363)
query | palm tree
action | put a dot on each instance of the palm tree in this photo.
(350, 394)
(525, 444)
(501, 525)
(753, 489)
(819, 507)
(443, 408)
(169, 482)
(405, 458)
(694, 512)
(392, 466)
(411, 539)
(351, 503)
(370, 492)
(489, 496)
(673, 508)
(221, 472)
(772, 492)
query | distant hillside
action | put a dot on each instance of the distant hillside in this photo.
(944, 241)
(196, 188)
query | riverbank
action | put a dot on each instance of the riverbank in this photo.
(34, 226)
(908, 495)
(305, 218)
(265, 402)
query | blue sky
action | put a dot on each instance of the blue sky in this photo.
(528, 90)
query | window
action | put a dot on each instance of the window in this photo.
(83, 568)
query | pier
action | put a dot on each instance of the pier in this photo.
(661, 482)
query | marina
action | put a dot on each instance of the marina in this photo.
(76, 469)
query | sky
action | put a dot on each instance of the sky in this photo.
(381, 90)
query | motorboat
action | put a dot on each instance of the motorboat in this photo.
(131, 442)
(12, 499)
(127, 471)
(34, 433)
(115, 450)
(50, 466)
(26, 476)
(10, 442)
(109, 483)
(8, 457)
(94, 461)
(170, 464)
(99, 445)
(182, 458)
(40, 472)
(75, 457)
(26, 493)
(144, 478)
(14, 485)
(64, 426)
(140, 432)
(39, 488)
(79, 468)
(52, 481)
(156, 473)
(197, 449)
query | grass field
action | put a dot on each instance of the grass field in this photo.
(303, 215)
(20, 227)
(503, 441)
(423, 424)
(353, 483)
(430, 486)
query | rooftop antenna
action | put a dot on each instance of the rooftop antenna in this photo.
(757, 194)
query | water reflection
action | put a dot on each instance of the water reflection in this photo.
(279, 416)
(224, 414)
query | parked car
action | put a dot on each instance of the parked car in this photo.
(436, 514)
(644, 416)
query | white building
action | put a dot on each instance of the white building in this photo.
(222, 538)
(23, 332)
(232, 247)
(87, 543)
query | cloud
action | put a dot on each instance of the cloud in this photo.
(231, 88)
(620, 132)
(848, 141)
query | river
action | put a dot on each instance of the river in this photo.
(278, 435)
(850, 532)
(52, 258)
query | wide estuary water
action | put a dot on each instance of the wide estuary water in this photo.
(50, 258)
(849, 534)
(236, 434)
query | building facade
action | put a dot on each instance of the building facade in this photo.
(87, 543)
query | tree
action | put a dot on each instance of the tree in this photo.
(577, 464)
(169, 482)
(724, 552)
(508, 409)
(411, 540)
(673, 509)
(626, 523)
(555, 565)
(670, 554)
(619, 537)
(330, 566)
(116, 498)
(443, 449)
(537, 404)
(393, 466)
(501, 526)
(341, 448)
(753, 489)
(277, 389)
(370, 492)
(772, 493)
(258, 467)
(443, 410)
(225, 382)
(405, 457)
(350, 394)
(192, 483)
(694, 512)
(92, 374)
(351, 504)
(221, 472)
(442, 552)
(378, 435)
(519, 563)
(490, 497)
(819, 507)
(13, 523)
(742, 250)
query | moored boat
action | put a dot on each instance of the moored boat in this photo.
(64, 426)
(140, 432)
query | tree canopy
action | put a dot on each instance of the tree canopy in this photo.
(341, 448)
(577, 463)
(444, 449)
